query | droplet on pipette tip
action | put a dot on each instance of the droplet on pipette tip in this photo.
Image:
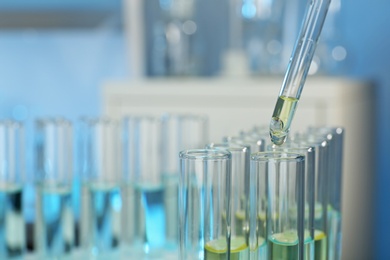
(278, 136)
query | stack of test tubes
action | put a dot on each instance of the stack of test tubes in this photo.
(154, 187)
(283, 202)
(121, 199)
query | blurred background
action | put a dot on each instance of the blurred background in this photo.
(56, 55)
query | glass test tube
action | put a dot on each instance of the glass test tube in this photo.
(54, 224)
(322, 173)
(335, 193)
(335, 137)
(316, 183)
(144, 188)
(286, 228)
(12, 224)
(239, 215)
(204, 201)
(179, 132)
(101, 193)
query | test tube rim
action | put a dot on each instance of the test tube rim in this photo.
(54, 121)
(231, 147)
(299, 148)
(11, 123)
(93, 121)
(279, 156)
(205, 154)
(182, 116)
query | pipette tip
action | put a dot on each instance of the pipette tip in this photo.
(278, 136)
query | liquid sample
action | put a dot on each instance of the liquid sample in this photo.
(320, 248)
(12, 231)
(54, 223)
(281, 118)
(106, 206)
(217, 249)
(284, 246)
(150, 221)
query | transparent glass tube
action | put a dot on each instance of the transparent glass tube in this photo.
(239, 214)
(12, 224)
(54, 223)
(335, 138)
(335, 190)
(179, 132)
(101, 192)
(316, 182)
(287, 229)
(145, 196)
(297, 70)
(204, 203)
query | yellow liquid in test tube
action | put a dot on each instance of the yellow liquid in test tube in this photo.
(285, 246)
(320, 245)
(216, 249)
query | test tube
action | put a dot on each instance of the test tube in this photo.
(316, 183)
(101, 191)
(204, 203)
(179, 132)
(335, 137)
(335, 193)
(297, 70)
(12, 224)
(288, 236)
(144, 188)
(240, 157)
(54, 224)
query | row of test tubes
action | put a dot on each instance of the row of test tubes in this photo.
(104, 188)
(136, 197)
(246, 198)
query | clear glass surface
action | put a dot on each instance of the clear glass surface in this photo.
(204, 206)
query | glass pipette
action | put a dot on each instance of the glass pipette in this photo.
(297, 70)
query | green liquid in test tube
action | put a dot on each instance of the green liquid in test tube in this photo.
(297, 70)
